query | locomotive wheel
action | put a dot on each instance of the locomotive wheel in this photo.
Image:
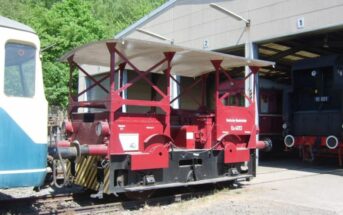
(139, 195)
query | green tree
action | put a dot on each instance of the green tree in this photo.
(23, 10)
(119, 14)
(66, 25)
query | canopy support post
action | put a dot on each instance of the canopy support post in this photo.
(252, 85)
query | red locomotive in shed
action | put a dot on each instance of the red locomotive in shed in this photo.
(271, 98)
(270, 102)
(124, 143)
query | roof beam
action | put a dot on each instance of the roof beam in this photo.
(315, 50)
(279, 61)
(283, 54)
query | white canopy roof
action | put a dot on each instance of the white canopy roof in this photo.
(144, 54)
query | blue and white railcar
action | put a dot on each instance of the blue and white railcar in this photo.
(23, 107)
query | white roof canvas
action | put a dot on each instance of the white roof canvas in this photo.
(144, 54)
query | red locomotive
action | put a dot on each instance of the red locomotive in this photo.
(270, 113)
(125, 144)
(269, 107)
(271, 95)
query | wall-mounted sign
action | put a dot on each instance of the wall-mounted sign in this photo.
(205, 44)
(300, 23)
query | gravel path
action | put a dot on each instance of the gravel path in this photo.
(232, 202)
(282, 188)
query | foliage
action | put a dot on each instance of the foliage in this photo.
(65, 24)
(118, 14)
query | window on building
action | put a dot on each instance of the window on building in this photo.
(20, 66)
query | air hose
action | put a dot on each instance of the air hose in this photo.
(54, 170)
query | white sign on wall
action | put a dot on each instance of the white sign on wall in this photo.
(205, 44)
(300, 23)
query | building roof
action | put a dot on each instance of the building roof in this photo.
(283, 51)
(143, 20)
(144, 54)
(9, 23)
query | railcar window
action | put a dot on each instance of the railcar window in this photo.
(20, 66)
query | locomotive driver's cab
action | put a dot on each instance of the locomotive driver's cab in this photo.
(23, 107)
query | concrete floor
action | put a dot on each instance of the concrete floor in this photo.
(281, 187)
(294, 182)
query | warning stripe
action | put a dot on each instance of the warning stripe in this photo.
(86, 174)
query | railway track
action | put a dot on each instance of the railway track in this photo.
(34, 204)
(110, 207)
(81, 203)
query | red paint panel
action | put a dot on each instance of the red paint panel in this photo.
(235, 120)
(156, 158)
(184, 136)
(142, 124)
(234, 154)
